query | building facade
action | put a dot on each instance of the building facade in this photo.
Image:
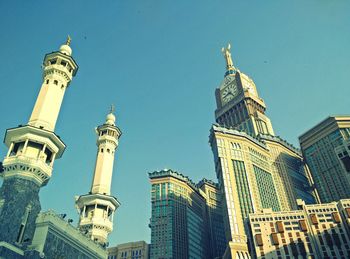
(313, 231)
(216, 230)
(326, 151)
(180, 226)
(130, 250)
(255, 168)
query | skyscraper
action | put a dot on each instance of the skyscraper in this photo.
(255, 168)
(326, 151)
(96, 209)
(181, 224)
(178, 217)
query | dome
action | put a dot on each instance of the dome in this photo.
(65, 49)
(110, 119)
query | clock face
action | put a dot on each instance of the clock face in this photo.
(228, 80)
(229, 91)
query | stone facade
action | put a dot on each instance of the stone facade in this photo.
(18, 196)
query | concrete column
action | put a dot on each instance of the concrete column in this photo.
(53, 159)
(10, 150)
(25, 146)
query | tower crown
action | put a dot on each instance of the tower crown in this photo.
(238, 102)
(65, 48)
(110, 118)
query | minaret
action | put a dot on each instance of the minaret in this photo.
(32, 150)
(97, 208)
(238, 103)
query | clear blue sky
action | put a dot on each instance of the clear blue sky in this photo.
(159, 62)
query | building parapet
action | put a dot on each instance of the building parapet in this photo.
(219, 128)
(49, 220)
(281, 141)
(175, 174)
(207, 181)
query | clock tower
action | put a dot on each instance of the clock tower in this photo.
(238, 103)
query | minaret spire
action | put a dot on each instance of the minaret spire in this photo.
(229, 64)
(97, 208)
(68, 40)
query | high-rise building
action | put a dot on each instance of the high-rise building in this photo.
(313, 231)
(25, 232)
(130, 250)
(96, 209)
(326, 151)
(185, 222)
(255, 168)
(177, 224)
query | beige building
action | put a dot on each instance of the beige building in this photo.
(326, 149)
(255, 168)
(313, 231)
(131, 250)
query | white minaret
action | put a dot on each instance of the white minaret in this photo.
(34, 147)
(32, 150)
(97, 208)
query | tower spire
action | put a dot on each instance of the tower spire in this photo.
(68, 40)
(227, 55)
(97, 208)
(112, 110)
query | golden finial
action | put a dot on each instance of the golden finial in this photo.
(227, 55)
(68, 40)
(112, 110)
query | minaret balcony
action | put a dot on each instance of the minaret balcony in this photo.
(58, 70)
(99, 223)
(35, 169)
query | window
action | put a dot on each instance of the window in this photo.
(53, 61)
(63, 63)
(55, 82)
(47, 81)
